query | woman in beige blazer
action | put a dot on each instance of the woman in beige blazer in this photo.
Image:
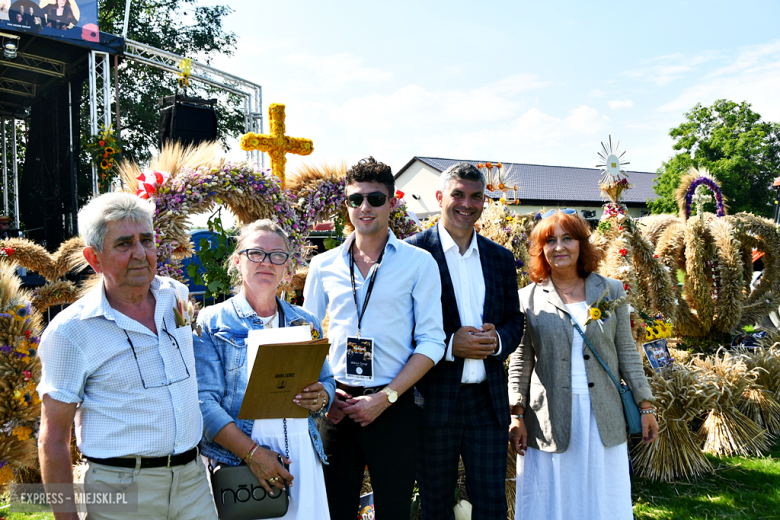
(567, 416)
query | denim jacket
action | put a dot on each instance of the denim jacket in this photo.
(220, 359)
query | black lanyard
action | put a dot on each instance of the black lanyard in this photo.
(370, 284)
(281, 314)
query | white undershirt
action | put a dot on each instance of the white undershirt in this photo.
(270, 322)
(468, 282)
(579, 377)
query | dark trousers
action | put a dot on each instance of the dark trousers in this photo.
(388, 446)
(473, 433)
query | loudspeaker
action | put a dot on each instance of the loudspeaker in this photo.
(186, 119)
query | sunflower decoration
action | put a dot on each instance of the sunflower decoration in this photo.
(614, 180)
(103, 149)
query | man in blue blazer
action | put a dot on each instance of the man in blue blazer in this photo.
(463, 401)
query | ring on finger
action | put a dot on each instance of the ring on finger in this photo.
(272, 480)
(316, 398)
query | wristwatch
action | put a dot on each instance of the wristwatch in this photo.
(392, 395)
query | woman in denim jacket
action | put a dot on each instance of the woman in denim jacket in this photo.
(261, 259)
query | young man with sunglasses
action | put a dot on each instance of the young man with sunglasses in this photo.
(464, 405)
(383, 301)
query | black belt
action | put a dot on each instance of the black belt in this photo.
(359, 390)
(149, 462)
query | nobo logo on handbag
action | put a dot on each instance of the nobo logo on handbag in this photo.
(246, 493)
(239, 495)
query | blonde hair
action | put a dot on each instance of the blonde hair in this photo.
(248, 232)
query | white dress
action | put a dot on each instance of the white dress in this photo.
(308, 497)
(587, 481)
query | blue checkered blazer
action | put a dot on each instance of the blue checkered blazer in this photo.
(440, 386)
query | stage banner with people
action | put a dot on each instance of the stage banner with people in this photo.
(73, 19)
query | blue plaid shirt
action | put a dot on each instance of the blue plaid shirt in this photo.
(86, 358)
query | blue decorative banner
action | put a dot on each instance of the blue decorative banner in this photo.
(74, 19)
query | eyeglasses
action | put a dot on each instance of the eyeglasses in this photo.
(138, 365)
(376, 199)
(565, 211)
(258, 256)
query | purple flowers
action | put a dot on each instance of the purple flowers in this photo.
(713, 186)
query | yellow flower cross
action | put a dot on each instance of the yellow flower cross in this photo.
(276, 144)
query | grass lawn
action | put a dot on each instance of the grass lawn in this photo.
(739, 488)
(27, 516)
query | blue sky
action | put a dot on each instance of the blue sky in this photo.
(532, 82)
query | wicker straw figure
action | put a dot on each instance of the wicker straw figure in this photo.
(712, 249)
(30, 255)
(759, 233)
(760, 402)
(680, 397)
(35, 258)
(20, 372)
(726, 430)
(628, 256)
(613, 240)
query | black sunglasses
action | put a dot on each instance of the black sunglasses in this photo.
(258, 256)
(565, 211)
(375, 199)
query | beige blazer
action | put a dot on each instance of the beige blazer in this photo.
(540, 368)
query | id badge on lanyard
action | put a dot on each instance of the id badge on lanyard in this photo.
(360, 358)
(360, 350)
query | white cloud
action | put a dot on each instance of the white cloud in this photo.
(534, 136)
(752, 75)
(331, 73)
(663, 70)
(617, 105)
(412, 106)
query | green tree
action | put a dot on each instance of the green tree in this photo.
(179, 26)
(732, 141)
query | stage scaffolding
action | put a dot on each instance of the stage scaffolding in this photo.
(10, 200)
(101, 97)
(250, 92)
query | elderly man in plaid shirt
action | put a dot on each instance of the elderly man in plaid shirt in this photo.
(121, 364)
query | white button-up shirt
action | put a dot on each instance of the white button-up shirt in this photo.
(86, 358)
(403, 316)
(468, 283)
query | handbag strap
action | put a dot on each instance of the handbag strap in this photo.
(585, 338)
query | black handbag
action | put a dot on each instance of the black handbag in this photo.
(630, 408)
(239, 495)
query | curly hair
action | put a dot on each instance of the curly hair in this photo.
(578, 228)
(369, 170)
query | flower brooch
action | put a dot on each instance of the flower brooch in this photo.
(603, 308)
(315, 334)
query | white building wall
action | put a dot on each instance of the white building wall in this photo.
(420, 180)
